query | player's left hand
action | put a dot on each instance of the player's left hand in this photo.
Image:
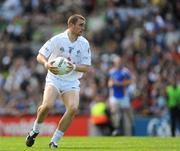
(70, 66)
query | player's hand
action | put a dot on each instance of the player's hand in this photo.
(50, 67)
(70, 66)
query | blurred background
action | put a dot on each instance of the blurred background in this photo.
(145, 33)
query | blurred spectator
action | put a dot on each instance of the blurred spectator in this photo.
(10, 9)
(100, 116)
(173, 100)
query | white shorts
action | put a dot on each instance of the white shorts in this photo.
(124, 102)
(62, 85)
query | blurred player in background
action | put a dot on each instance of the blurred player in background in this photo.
(69, 44)
(173, 102)
(119, 80)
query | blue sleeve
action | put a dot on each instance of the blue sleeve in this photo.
(128, 75)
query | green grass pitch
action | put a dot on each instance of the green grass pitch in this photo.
(94, 144)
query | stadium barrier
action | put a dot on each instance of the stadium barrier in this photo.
(81, 126)
(20, 125)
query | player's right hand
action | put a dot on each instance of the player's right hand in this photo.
(51, 68)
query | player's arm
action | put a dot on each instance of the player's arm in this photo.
(82, 68)
(85, 64)
(48, 65)
(124, 83)
(42, 60)
(127, 79)
(110, 82)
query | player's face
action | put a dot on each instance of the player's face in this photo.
(117, 62)
(79, 27)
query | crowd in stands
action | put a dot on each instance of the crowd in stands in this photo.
(145, 33)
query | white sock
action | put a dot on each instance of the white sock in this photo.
(37, 126)
(57, 136)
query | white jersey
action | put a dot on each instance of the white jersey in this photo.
(77, 52)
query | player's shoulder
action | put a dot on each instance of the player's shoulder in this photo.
(112, 70)
(125, 70)
(57, 37)
(83, 40)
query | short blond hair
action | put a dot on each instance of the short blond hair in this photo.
(74, 18)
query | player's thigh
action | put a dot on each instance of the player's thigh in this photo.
(50, 95)
(114, 105)
(71, 99)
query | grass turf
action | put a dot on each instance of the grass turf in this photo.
(94, 144)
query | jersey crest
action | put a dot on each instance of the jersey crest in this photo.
(61, 49)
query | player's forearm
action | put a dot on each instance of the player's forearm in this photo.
(110, 83)
(127, 82)
(82, 68)
(124, 83)
(118, 83)
(41, 59)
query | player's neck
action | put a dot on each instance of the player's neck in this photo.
(72, 37)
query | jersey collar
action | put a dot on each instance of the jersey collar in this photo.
(66, 35)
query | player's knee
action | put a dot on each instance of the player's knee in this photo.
(73, 109)
(39, 108)
(46, 107)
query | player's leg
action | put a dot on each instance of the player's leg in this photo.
(173, 121)
(71, 101)
(49, 97)
(127, 116)
(115, 115)
(127, 121)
